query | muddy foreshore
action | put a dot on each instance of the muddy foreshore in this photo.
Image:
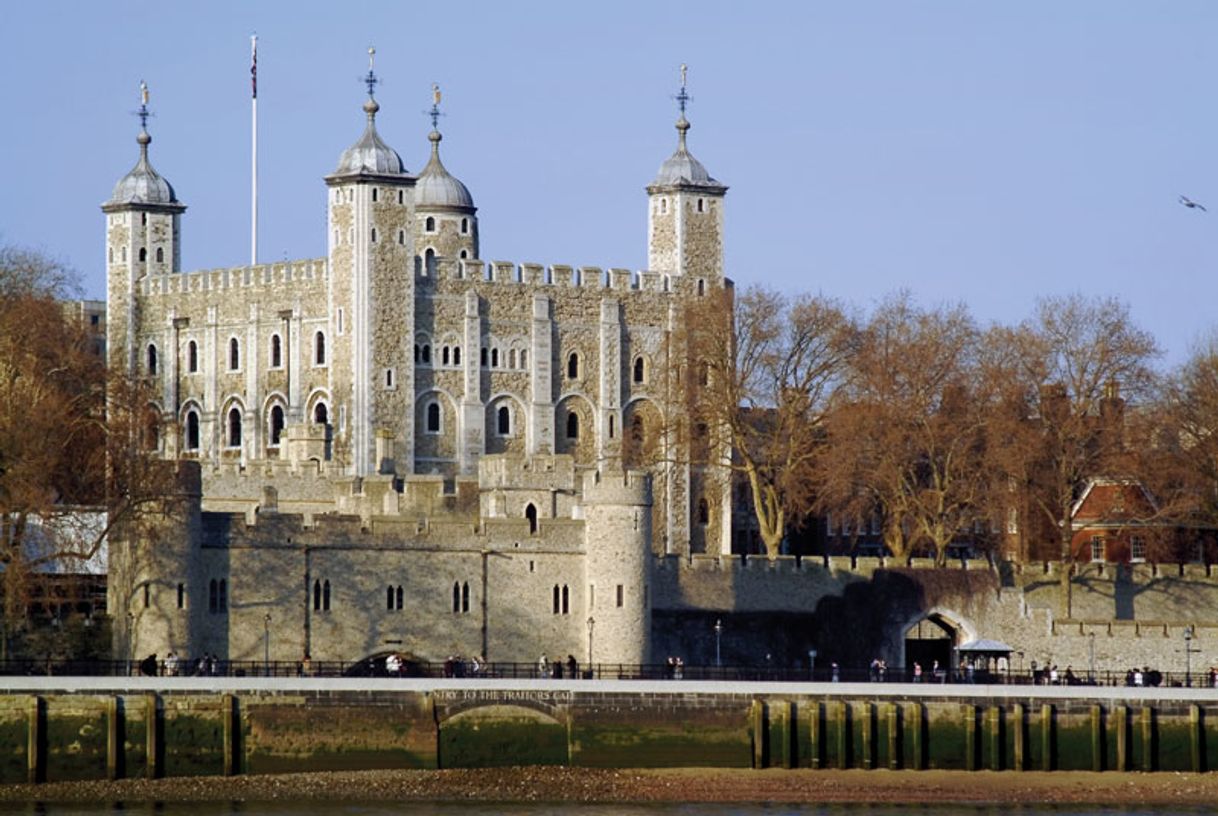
(535, 784)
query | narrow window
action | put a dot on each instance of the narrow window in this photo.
(374, 194)
(456, 597)
(556, 597)
(1097, 548)
(566, 595)
(703, 512)
(465, 597)
(465, 226)
(430, 224)
(181, 596)
(512, 358)
(111, 254)
(701, 287)
(399, 596)
(160, 255)
(213, 596)
(663, 205)
(444, 356)
(456, 355)
(1137, 549)
(124, 254)
(611, 426)
(320, 415)
(429, 261)
(325, 596)
(530, 513)
(389, 598)
(276, 424)
(192, 431)
(504, 421)
(494, 358)
(276, 351)
(234, 354)
(152, 361)
(389, 378)
(143, 219)
(319, 349)
(572, 426)
(401, 237)
(463, 255)
(223, 595)
(524, 359)
(640, 370)
(234, 428)
(143, 254)
(400, 198)
(317, 596)
(426, 354)
(701, 206)
(147, 595)
(340, 321)
(417, 352)
(483, 355)
(433, 417)
(621, 595)
(374, 235)
(573, 366)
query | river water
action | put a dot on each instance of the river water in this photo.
(330, 808)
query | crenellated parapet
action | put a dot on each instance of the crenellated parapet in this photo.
(272, 276)
(550, 277)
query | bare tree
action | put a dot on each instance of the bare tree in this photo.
(1066, 369)
(904, 439)
(761, 368)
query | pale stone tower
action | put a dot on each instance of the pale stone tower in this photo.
(685, 213)
(371, 303)
(617, 513)
(142, 237)
(446, 225)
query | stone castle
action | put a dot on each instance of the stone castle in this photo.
(401, 447)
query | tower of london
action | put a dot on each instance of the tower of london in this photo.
(401, 442)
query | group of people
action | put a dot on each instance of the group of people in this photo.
(554, 669)
(174, 666)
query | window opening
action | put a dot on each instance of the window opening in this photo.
(143, 254)
(566, 608)
(234, 354)
(319, 348)
(703, 512)
(494, 358)
(573, 366)
(456, 597)
(639, 370)
(320, 415)
(456, 355)
(426, 354)
(399, 596)
(325, 596)
(192, 431)
(465, 596)
(152, 361)
(160, 255)
(444, 356)
(433, 417)
(572, 426)
(181, 596)
(464, 226)
(504, 420)
(276, 351)
(430, 224)
(234, 428)
(530, 513)
(556, 597)
(276, 424)
(621, 595)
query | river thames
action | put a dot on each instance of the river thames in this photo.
(331, 808)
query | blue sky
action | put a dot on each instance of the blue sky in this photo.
(984, 152)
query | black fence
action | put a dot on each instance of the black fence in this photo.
(457, 668)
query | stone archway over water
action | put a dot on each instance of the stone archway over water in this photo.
(933, 636)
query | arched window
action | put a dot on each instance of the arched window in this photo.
(143, 254)
(374, 194)
(484, 353)
(319, 348)
(389, 378)
(399, 596)
(401, 237)
(512, 358)
(456, 596)
(325, 596)
(426, 353)
(573, 366)
(234, 354)
(640, 370)
(503, 422)
(456, 355)
(276, 423)
(572, 426)
(276, 351)
(444, 356)
(151, 360)
(465, 596)
(317, 596)
(429, 261)
(192, 357)
(611, 426)
(234, 427)
(463, 255)
(160, 255)
(703, 512)
(701, 205)
(417, 352)
(701, 287)
(181, 596)
(433, 417)
(494, 358)
(152, 429)
(389, 598)
(430, 224)
(192, 431)
(321, 416)
(524, 359)
(465, 226)
(530, 513)
(566, 593)
(556, 599)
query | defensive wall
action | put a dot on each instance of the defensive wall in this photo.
(57, 729)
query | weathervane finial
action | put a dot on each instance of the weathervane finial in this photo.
(682, 96)
(371, 80)
(143, 112)
(434, 113)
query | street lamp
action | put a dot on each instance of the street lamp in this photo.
(718, 638)
(591, 626)
(266, 645)
(1189, 651)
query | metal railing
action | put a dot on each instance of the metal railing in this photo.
(376, 667)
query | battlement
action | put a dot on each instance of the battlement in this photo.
(536, 472)
(628, 487)
(555, 276)
(238, 277)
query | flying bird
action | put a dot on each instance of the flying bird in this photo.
(1192, 205)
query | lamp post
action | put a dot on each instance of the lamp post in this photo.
(591, 626)
(266, 645)
(1189, 651)
(718, 638)
(1091, 652)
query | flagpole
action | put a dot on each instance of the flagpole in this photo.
(254, 146)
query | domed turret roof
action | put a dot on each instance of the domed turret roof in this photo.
(682, 169)
(143, 185)
(437, 187)
(370, 155)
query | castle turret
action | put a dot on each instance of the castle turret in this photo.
(445, 224)
(685, 212)
(617, 536)
(371, 299)
(142, 238)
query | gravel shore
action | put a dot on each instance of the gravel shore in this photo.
(534, 784)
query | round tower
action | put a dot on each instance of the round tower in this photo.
(685, 212)
(143, 237)
(371, 301)
(617, 542)
(446, 224)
